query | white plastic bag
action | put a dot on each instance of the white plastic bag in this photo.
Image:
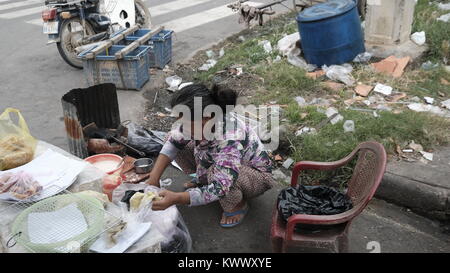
(287, 43)
(168, 222)
(20, 185)
(340, 73)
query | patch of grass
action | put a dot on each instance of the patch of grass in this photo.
(413, 82)
(437, 32)
(331, 143)
(429, 83)
(282, 82)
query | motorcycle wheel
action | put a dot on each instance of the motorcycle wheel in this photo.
(72, 30)
(143, 16)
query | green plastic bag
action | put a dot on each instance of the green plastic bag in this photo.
(17, 146)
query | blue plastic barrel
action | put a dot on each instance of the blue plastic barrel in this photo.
(331, 32)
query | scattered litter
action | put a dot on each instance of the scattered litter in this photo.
(241, 38)
(428, 100)
(297, 61)
(397, 96)
(301, 101)
(383, 107)
(428, 65)
(167, 69)
(278, 158)
(208, 65)
(363, 57)
(277, 59)
(349, 126)
(392, 66)
(287, 163)
(377, 99)
(353, 100)
(415, 99)
(221, 52)
(407, 150)
(173, 82)
(266, 45)
(286, 44)
(305, 130)
(416, 147)
(420, 107)
(168, 109)
(236, 70)
(427, 156)
(165, 183)
(330, 112)
(444, 18)
(335, 86)
(320, 102)
(443, 6)
(446, 104)
(210, 54)
(363, 89)
(419, 38)
(375, 114)
(184, 85)
(340, 73)
(383, 89)
(279, 175)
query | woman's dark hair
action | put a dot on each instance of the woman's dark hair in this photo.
(215, 96)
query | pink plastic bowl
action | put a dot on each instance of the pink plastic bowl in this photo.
(106, 157)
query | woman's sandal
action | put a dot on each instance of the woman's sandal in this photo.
(230, 214)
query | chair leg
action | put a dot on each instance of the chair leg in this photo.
(277, 245)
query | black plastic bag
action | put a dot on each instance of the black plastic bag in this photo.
(312, 200)
(148, 141)
(128, 194)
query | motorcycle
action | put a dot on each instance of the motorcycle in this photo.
(75, 23)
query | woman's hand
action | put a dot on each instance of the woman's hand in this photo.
(170, 198)
(153, 180)
(160, 165)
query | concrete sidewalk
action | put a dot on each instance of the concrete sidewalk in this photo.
(424, 188)
(394, 228)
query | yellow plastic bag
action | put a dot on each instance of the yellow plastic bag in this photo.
(17, 146)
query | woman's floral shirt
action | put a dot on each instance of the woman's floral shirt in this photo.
(239, 146)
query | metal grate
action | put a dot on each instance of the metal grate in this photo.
(67, 222)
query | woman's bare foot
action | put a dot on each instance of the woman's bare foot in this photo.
(227, 220)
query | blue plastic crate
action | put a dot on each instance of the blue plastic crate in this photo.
(105, 68)
(161, 46)
(161, 53)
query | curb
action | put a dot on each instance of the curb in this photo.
(427, 200)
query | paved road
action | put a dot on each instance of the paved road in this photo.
(33, 77)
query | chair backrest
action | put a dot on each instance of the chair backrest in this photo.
(368, 172)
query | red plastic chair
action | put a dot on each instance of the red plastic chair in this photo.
(367, 175)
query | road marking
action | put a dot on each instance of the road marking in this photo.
(19, 4)
(179, 24)
(20, 13)
(37, 22)
(201, 18)
(174, 6)
(154, 11)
